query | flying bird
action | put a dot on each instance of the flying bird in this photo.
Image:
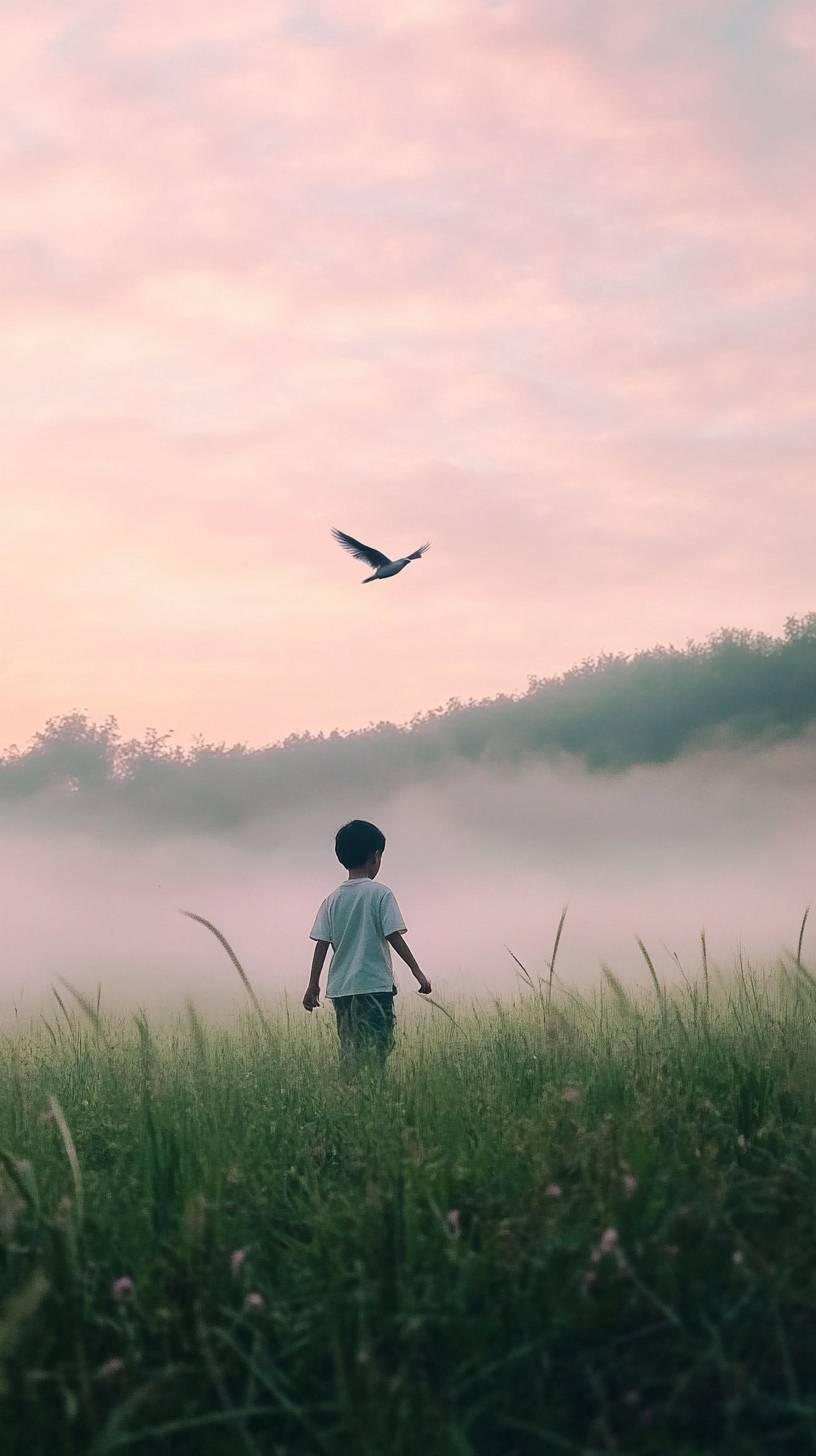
(383, 565)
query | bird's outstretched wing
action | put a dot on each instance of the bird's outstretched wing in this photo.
(363, 553)
(415, 555)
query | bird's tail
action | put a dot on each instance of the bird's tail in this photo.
(369, 578)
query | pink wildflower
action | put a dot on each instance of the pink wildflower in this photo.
(454, 1220)
(607, 1244)
(111, 1367)
(254, 1300)
(237, 1260)
(589, 1278)
(552, 1190)
(122, 1287)
(629, 1184)
(571, 1094)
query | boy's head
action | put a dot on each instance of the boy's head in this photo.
(359, 846)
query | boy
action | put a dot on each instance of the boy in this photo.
(360, 920)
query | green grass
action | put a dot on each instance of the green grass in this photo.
(421, 1289)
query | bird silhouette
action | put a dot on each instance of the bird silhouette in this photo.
(383, 565)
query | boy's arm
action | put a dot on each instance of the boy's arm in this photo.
(311, 1000)
(407, 955)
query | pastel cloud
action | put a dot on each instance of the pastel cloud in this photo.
(533, 279)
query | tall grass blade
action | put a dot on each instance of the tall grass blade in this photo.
(21, 1175)
(801, 936)
(659, 992)
(222, 939)
(617, 990)
(525, 974)
(66, 1016)
(556, 944)
(49, 1028)
(70, 1152)
(15, 1315)
(439, 1007)
(87, 1008)
(182, 1425)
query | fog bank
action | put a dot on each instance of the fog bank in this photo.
(482, 857)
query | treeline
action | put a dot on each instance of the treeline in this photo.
(610, 713)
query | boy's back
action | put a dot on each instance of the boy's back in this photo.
(356, 919)
(361, 921)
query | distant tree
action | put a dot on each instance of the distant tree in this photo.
(610, 712)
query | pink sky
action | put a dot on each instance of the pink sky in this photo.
(534, 280)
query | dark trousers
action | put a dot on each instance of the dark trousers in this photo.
(365, 1025)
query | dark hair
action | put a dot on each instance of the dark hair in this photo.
(355, 843)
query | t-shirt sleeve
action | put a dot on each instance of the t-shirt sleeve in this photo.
(321, 930)
(390, 914)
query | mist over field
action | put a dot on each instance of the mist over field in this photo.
(655, 796)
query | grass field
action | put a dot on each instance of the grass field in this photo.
(578, 1227)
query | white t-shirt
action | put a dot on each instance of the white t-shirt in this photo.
(356, 918)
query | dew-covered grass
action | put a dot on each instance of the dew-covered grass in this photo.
(578, 1225)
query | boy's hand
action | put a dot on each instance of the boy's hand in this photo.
(424, 985)
(312, 998)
